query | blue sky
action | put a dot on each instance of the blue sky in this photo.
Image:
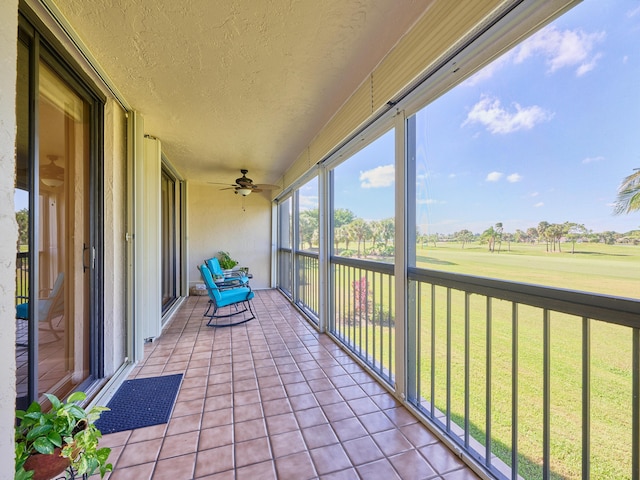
(545, 133)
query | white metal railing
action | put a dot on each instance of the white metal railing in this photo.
(363, 312)
(308, 284)
(519, 376)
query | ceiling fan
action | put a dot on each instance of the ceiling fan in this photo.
(245, 186)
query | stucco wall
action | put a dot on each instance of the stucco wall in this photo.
(8, 227)
(216, 221)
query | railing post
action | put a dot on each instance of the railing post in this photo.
(546, 397)
(467, 366)
(448, 390)
(488, 349)
(433, 351)
(326, 306)
(405, 245)
(586, 397)
(635, 434)
(514, 391)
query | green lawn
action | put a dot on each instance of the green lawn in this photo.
(613, 270)
(610, 383)
(594, 267)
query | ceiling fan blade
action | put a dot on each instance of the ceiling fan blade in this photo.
(245, 182)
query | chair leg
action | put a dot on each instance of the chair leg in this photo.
(246, 307)
(253, 315)
(210, 304)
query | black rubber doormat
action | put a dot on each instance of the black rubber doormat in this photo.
(140, 403)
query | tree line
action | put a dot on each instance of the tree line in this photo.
(350, 230)
(376, 237)
(553, 235)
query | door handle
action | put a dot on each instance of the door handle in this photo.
(85, 267)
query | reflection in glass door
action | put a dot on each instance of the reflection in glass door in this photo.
(55, 253)
(63, 251)
(172, 192)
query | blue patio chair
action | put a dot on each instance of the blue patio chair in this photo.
(231, 279)
(49, 307)
(238, 301)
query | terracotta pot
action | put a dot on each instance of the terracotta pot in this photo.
(46, 467)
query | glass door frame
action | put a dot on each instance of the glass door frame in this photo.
(177, 233)
(43, 47)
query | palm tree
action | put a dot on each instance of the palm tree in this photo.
(307, 226)
(489, 236)
(464, 236)
(575, 232)
(628, 194)
(377, 232)
(341, 234)
(360, 231)
(388, 230)
(498, 230)
(543, 233)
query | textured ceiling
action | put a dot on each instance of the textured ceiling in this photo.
(232, 84)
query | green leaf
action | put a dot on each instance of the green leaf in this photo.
(55, 438)
(76, 411)
(34, 416)
(76, 397)
(55, 402)
(22, 474)
(105, 468)
(95, 412)
(68, 450)
(34, 407)
(103, 454)
(43, 445)
(39, 431)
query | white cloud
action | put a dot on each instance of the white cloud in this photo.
(534, 194)
(488, 71)
(539, 204)
(430, 201)
(514, 177)
(633, 13)
(490, 113)
(308, 202)
(587, 67)
(592, 159)
(563, 48)
(378, 177)
(494, 176)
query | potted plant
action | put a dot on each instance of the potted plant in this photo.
(226, 262)
(47, 443)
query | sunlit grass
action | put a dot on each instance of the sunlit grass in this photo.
(597, 268)
(594, 267)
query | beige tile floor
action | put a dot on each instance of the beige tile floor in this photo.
(271, 399)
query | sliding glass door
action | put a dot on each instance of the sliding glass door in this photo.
(57, 346)
(171, 201)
